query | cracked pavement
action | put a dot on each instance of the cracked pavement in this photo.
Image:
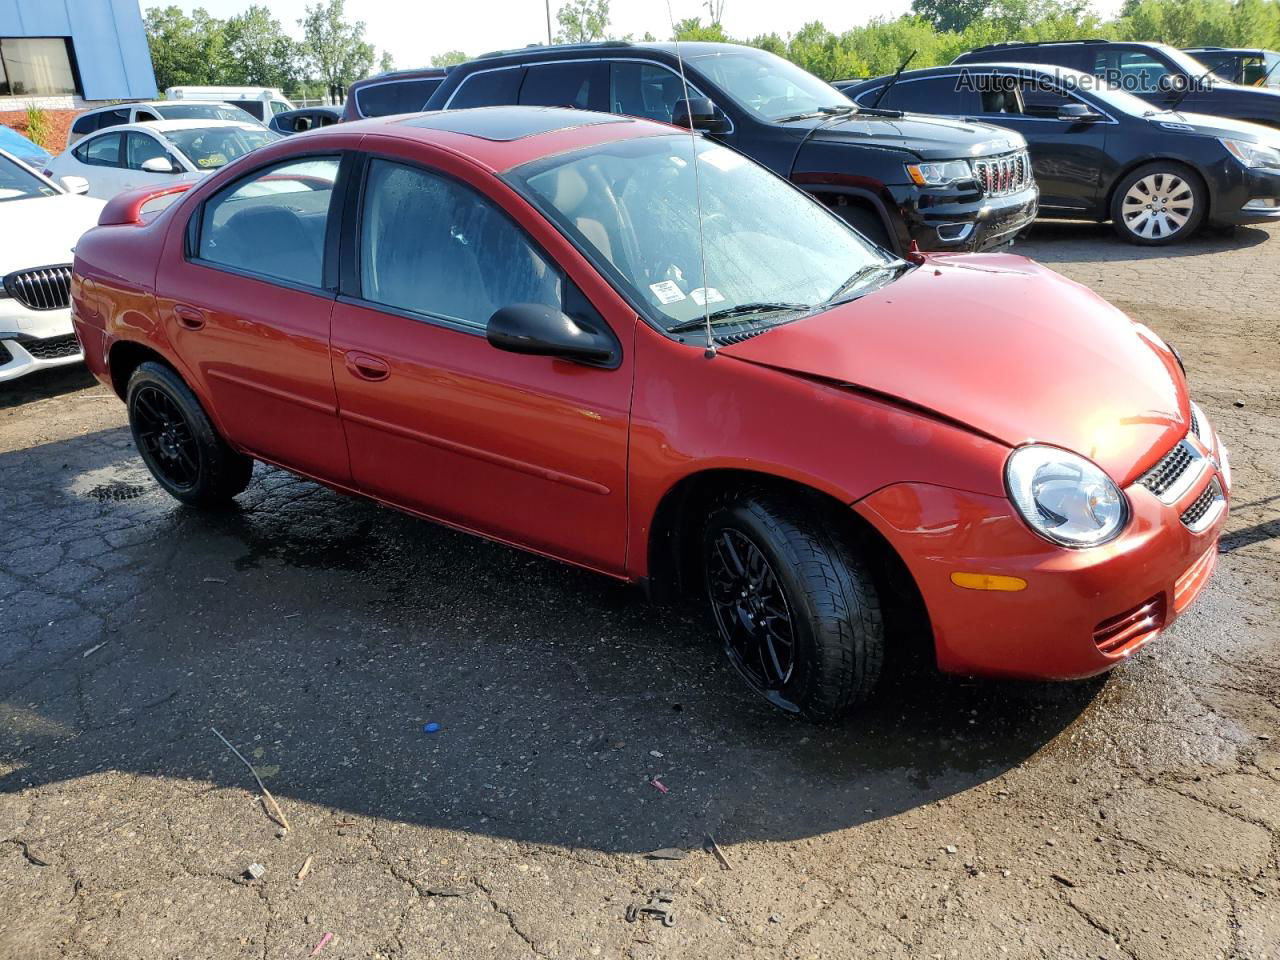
(1134, 816)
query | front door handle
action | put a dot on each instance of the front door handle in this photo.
(366, 367)
(189, 317)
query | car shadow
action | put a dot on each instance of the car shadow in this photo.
(42, 384)
(323, 633)
(1057, 241)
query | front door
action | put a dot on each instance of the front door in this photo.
(526, 449)
(248, 311)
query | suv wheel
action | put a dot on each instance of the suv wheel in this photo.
(178, 442)
(1159, 203)
(795, 607)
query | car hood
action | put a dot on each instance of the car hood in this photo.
(1205, 125)
(1003, 345)
(929, 138)
(41, 231)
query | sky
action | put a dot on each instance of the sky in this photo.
(414, 30)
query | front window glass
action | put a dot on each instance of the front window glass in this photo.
(273, 223)
(772, 253)
(209, 148)
(140, 148)
(645, 90)
(769, 86)
(17, 183)
(199, 111)
(432, 246)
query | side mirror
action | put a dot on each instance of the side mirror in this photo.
(544, 331)
(1077, 113)
(699, 113)
(159, 165)
(77, 185)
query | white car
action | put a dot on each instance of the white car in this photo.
(157, 152)
(40, 223)
(117, 114)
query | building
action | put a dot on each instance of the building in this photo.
(65, 54)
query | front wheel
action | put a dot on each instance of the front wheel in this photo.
(177, 441)
(1159, 203)
(794, 605)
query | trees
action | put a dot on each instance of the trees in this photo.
(448, 58)
(186, 50)
(259, 52)
(582, 21)
(336, 50)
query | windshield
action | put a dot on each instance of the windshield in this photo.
(769, 86)
(19, 183)
(1120, 100)
(772, 253)
(209, 148)
(1190, 65)
(199, 111)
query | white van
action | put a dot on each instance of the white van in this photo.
(262, 103)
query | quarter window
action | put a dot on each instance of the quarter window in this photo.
(395, 96)
(274, 223)
(645, 90)
(101, 151)
(580, 85)
(431, 246)
(488, 88)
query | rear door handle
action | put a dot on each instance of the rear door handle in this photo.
(366, 367)
(189, 317)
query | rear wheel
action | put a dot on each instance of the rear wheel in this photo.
(1159, 203)
(177, 441)
(793, 602)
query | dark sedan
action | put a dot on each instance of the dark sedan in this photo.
(1102, 154)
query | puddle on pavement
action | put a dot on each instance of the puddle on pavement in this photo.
(113, 484)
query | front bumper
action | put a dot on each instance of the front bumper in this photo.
(1247, 196)
(33, 340)
(1082, 611)
(963, 219)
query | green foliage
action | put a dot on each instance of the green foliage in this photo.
(692, 29)
(259, 52)
(448, 58)
(336, 51)
(582, 21)
(186, 50)
(39, 130)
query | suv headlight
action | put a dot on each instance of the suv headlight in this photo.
(939, 174)
(1253, 155)
(1063, 497)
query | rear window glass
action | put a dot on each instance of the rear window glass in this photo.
(488, 88)
(580, 85)
(395, 96)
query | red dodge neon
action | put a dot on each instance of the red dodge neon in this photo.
(610, 342)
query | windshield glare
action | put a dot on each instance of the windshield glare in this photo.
(769, 86)
(634, 204)
(1190, 65)
(199, 111)
(209, 148)
(17, 183)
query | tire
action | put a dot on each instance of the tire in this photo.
(1178, 204)
(177, 441)
(868, 223)
(832, 611)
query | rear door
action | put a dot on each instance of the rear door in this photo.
(245, 294)
(529, 450)
(582, 84)
(100, 160)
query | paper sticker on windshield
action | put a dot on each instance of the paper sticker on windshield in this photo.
(704, 295)
(667, 291)
(722, 158)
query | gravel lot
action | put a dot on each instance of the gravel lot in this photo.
(1136, 816)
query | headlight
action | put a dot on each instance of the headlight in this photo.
(940, 174)
(1063, 497)
(1253, 154)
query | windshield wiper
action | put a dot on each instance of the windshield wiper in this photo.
(859, 275)
(838, 110)
(733, 313)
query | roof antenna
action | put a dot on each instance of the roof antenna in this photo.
(710, 352)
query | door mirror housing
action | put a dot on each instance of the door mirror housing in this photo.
(699, 113)
(1078, 113)
(73, 184)
(159, 165)
(539, 330)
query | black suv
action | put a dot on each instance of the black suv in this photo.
(1102, 154)
(1161, 75)
(946, 184)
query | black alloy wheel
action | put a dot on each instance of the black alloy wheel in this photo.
(164, 439)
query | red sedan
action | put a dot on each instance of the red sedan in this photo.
(609, 342)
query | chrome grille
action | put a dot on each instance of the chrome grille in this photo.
(44, 288)
(1195, 424)
(53, 348)
(1003, 175)
(1171, 473)
(1205, 508)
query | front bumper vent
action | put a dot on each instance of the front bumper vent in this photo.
(53, 348)
(1129, 630)
(1003, 175)
(44, 288)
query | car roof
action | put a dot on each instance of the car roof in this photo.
(164, 126)
(612, 48)
(421, 73)
(978, 67)
(499, 138)
(321, 107)
(1244, 51)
